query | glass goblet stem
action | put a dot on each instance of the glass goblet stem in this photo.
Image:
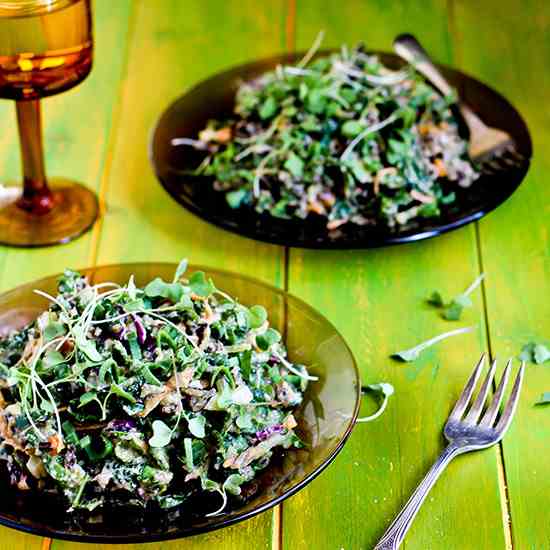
(37, 197)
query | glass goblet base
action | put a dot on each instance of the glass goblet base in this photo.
(74, 211)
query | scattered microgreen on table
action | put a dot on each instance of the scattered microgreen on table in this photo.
(413, 353)
(535, 353)
(385, 390)
(451, 311)
(544, 399)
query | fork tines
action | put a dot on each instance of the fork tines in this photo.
(500, 159)
(490, 415)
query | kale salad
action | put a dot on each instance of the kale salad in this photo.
(341, 138)
(120, 395)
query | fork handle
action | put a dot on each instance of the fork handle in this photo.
(410, 49)
(396, 532)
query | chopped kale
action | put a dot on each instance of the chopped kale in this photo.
(157, 392)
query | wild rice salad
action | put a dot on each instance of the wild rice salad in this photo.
(341, 137)
(145, 396)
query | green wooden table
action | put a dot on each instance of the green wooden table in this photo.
(148, 53)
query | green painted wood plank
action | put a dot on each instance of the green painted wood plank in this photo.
(14, 540)
(175, 45)
(251, 535)
(376, 299)
(506, 45)
(77, 128)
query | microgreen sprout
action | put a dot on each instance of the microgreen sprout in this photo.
(312, 50)
(414, 353)
(384, 389)
(453, 310)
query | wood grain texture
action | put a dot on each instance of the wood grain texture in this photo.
(253, 534)
(376, 298)
(177, 44)
(512, 54)
(77, 128)
(174, 45)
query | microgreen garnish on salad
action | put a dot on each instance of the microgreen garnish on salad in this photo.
(452, 311)
(340, 137)
(148, 396)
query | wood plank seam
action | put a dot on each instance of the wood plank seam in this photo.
(501, 469)
(364, 294)
(111, 141)
(277, 528)
(172, 26)
(451, 27)
(46, 543)
(505, 499)
(516, 243)
(290, 26)
(290, 46)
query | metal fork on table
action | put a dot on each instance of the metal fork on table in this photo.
(465, 432)
(491, 149)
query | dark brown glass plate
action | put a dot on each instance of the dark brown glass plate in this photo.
(214, 99)
(325, 419)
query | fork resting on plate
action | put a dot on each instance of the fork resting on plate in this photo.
(491, 149)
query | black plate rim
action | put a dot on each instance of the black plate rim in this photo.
(389, 240)
(132, 539)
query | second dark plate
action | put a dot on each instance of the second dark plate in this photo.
(214, 98)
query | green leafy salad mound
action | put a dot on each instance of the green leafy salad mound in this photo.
(341, 137)
(145, 396)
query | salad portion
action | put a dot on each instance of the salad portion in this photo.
(340, 138)
(120, 395)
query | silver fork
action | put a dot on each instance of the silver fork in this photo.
(465, 433)
(491, 149)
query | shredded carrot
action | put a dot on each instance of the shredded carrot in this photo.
(441, 169)
(424, 129)
(316, 207)
(223, 135)
(56, 444)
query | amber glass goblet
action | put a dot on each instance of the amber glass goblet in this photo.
(45, 48)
